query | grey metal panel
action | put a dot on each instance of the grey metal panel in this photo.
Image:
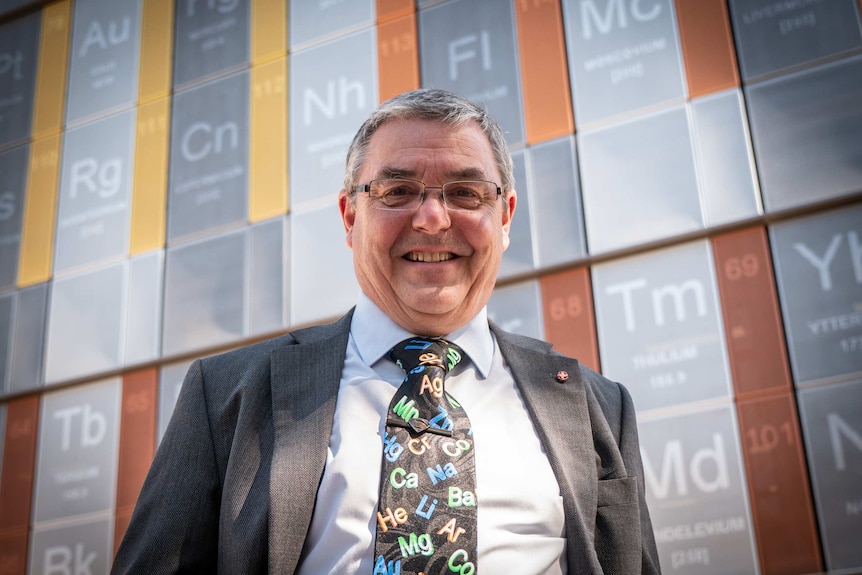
(79, 432)
(103, 57)
(19, 44)
(518, 308)
(639, 181)
(623, 56)
(28, 346)
(659, 326)
(209, 157)
(773, 36)
(9, 6)
(170, 382)
(316, 20)
(333, 88)
(93, 216)
(558, 218)
(696, 493)
(13, 184)
(81, 547)
(85, 325)
(518, 257)
(268, 282)
(832, 426)
(818, 268)
(725, 159)
(210, 37)
(323, 282)
(143, 324)
(8, 307)
(468, 46)
(205, 293)
(807, 132)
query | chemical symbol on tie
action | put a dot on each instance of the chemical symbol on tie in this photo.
(426, 517)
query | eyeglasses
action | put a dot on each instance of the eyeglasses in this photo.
(396, 194)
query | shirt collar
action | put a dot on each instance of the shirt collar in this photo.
(375, 334)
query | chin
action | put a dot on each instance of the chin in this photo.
(430, 300)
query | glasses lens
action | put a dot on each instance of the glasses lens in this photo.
(397, 194)
(469, 195)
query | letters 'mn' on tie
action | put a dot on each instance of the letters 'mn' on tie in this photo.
(426, 517)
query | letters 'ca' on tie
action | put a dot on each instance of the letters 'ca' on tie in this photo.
(426, 517)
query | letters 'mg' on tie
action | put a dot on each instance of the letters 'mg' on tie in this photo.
(426, 519)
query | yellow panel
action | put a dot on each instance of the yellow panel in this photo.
(268, 30)
(40, 209)
(157, 29)
(268, 162)
(149, 194)
(51, 79)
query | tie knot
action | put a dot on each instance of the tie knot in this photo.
(416, 354)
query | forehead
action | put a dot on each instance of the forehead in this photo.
(427, 148)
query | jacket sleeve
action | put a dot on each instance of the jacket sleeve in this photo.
(630, 451)
(174, 528)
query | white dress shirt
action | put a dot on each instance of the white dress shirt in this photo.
(520, 510)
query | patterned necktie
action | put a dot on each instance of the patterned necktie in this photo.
(426, 518)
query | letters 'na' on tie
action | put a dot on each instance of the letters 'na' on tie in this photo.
(426, 517)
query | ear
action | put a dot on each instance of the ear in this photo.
(348, 215)
(510, 200)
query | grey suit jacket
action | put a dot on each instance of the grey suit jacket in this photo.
(233, 485)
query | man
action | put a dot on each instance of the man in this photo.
(272, 461)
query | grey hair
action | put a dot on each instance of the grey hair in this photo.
(429, 104)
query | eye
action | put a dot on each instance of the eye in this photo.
(463, 191)
(398, 193)
(399, 190)
(464, 195)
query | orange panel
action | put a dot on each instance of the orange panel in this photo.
(752, 323)
(268, 176)
(397, 57)
(157, 41)
(781, 505)
(268, 30)
(121, 524)
(40, 208)
(150, 191)
(13, 552)
(570, 324)
(19, 457)
(137, 441)
(544, 76)
(50, 99)
(707, 46)
(389, 9)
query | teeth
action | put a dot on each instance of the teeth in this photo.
(429, 257)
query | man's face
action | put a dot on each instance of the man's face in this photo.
(430, 269)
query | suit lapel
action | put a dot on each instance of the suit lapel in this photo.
(561, 416)
(305, 381)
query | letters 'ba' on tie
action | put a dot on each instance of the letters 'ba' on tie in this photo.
(426, 517)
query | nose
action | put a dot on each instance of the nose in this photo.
(432, 215)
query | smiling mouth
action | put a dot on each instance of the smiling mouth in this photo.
(427, 257)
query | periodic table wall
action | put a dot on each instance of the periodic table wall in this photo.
(689, 222)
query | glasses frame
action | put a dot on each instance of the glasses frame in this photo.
(366, 188)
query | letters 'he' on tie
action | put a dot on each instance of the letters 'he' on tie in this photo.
(426, 517)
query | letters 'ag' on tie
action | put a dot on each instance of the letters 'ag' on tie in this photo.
(426, 517)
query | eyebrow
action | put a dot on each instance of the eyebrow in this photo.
(462, 174)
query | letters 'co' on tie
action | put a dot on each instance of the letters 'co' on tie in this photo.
(426, 519)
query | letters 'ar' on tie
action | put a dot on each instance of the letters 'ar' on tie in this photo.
(426, 516)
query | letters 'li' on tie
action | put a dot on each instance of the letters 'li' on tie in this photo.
(426, 517)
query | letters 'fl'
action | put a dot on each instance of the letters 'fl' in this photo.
(426, 516)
